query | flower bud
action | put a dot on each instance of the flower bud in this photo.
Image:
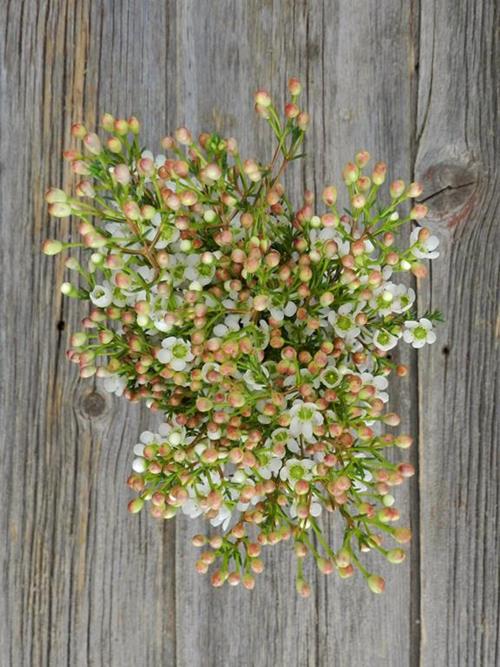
(136, 505)
(78, 130)
(108, 122)
(379, 173)
(329, 195)
(362, 158)
(303, 120)
(262, 98)
(52, 247)
(396, 556)
(376, 583)
(55, 196)
(60, 210)
(350, 173)
(92, 143)
(397, 189)
(418, 212)
(183, 136)
(134, 125)
(294, 86)
(122, 174)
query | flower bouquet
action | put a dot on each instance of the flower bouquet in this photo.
(258, 329)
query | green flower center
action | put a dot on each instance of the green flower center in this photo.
(420, 333)
(331, 377)
(296, 472)
(344, 323)
(305, 414)
(383, 338)
(179, 351)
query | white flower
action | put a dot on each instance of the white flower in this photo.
(295, 470)
(115, 384)
(424, 249)
(279, 313)
(384, 340)
(419, 333)
(139, 464)
(330, 376)
(102, 295)
(343, 322)
(175, 352)
(304, 417)
(282, 436)
(223, 518)
(197, 271)
(252, 383)
(403, 297)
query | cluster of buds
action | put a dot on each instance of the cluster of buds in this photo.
(258, 330)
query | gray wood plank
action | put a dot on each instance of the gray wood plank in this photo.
(83, 582)
(356, 100)
(458, 377)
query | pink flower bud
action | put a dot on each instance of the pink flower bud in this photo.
(396, 556)
(261, 302)
(397, 189)
(114, 145)
(92, 143)
(134, 125)
(108, 122)
(350, 173)
(291, 110)
(262, 98)
(80, 167)
(414, 190)
(136, 505)
(418, 212)
(146, 166)
(55, 196)
(131, 210)
(183, 136)
(60, 210)
(362, 158)
(52, 247)
(122, 174)
(294, 86)
(303, 120)
(402, 535)
(358, 201)
(376, 583)
(379, 173)
(78, 130)
(121, 126)
(329, 195)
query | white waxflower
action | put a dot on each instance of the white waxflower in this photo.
(223, 518)
(419, 333)
(304, 417)
(175, 352)
(343, 322)
(251, 382)
(330, 376)
(297, 469)
(424, 249)
(115, 384)
(403, 297)
(280, 312)
(384, 340)
(197, 271)
(282, 436)
(102, 295)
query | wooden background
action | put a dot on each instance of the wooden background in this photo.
(84, 583)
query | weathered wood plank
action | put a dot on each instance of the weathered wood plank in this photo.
(458, 377)
(82, 581)
(356, 100)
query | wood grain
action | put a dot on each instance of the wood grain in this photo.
(82, 582)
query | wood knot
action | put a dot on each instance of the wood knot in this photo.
(450, 191)
(93, 404)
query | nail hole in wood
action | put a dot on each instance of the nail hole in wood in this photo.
(446, 350)
(61, 325)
